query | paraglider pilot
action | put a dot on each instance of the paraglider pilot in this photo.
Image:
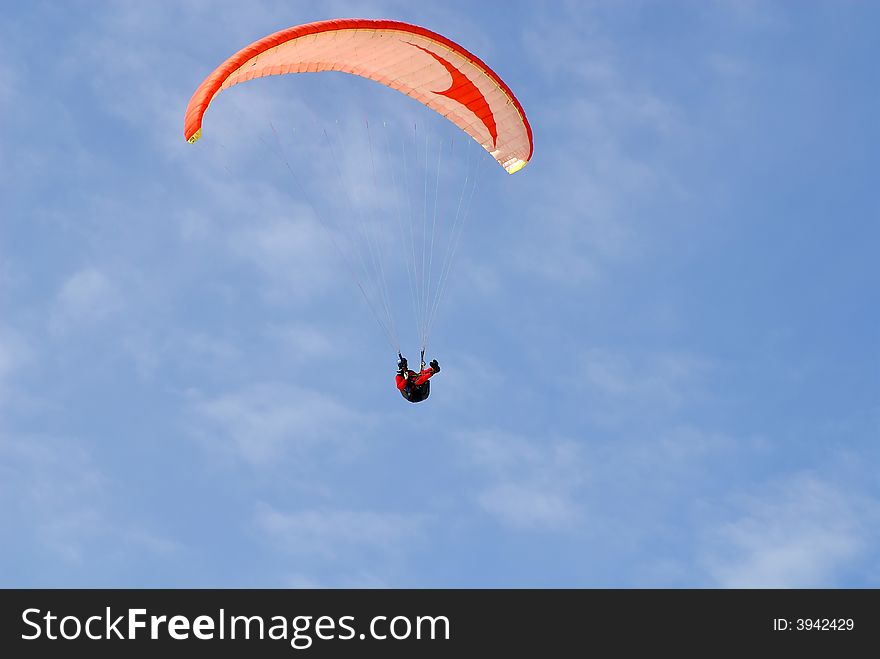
(415, 386)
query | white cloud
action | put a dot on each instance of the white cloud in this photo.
(729, 66)
(52, 487)
(475, 373)
(289, 255)
(87, 298)
(129, 74)
(8, 82)
(56, 500)
(264, 422)
(532, 483)
(8, 357)
(15, 354)
(529, 507)
(10, 97)
(624, 489)
(652, 383)
(303, 342)
(337, 534)
(269, 228)
(752, 15)
(593, 195)
(152, 350)
(204, 346)
(154, 544)
(801, 533)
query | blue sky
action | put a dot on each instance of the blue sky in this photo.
(659, 342)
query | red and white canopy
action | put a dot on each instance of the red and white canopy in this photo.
(413, 60)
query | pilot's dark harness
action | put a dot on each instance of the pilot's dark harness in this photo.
(416, 393)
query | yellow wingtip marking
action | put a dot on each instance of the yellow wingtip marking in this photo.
(195, 136)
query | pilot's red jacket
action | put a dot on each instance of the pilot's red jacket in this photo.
(414, 378)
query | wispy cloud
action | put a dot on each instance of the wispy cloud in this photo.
(264, 422)
(589, 212)
(287, 252)
(15, 353)
(332, 545)
(128, 74)
(801, 532)
(51, 488)
(533, 484)
(753, 15)
(337, 534)
(302, 342)
(658, 382)
(9, 95)
(57, 502)
(625, 489)
(529, 507)
(85, 299)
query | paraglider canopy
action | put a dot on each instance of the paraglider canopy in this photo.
(413, 60)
